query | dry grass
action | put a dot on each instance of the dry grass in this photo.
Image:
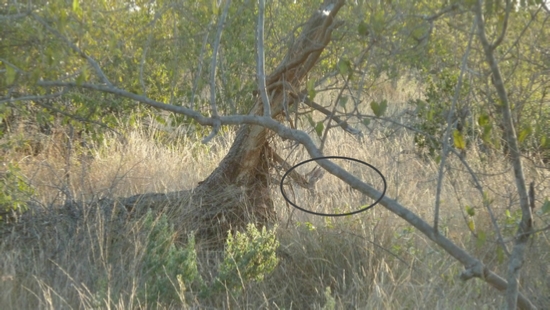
(373, 260)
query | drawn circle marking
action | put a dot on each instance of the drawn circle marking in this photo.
(334, 214)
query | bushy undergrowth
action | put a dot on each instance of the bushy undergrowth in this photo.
(15, 192)
(249, 256)
(56, 259)
(168, 270)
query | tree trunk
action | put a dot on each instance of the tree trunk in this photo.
(237, 192)
(243, 175)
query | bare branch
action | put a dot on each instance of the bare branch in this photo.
(331, 115)
(123, 93)
(475, 268)
(33, 98)
(504, 26)
(10, 64)
(443, 11)
(215, 129)
(213, 68)
(214, 63)
(39, 99)
(199, 73)
(526, 225)
(260, 59)
(343, 124)
(14, 16)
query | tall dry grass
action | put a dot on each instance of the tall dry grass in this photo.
(54, 259)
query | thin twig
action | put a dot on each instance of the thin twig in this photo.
(498, 41)
(525, 227)
(199, 73)
(14, 16)
(33, 98)
(343, 124)
(260, 59)
(331, 115)
(213, 67)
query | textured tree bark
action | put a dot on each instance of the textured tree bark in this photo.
(242, 177)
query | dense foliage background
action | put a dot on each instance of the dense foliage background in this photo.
(391, 71)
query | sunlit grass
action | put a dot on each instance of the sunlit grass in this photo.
(373, 260)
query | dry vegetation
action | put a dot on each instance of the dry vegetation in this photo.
(55, 259)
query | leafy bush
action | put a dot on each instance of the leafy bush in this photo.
(432, 112)
(164, 264)
(14, 191)
(169, 270)
(534, 131)
(249, 256)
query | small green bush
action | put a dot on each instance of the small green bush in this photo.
(249, 256)
(432, 112)
(15, 192)
(168, 269)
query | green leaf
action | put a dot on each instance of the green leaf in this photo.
(10, 74)
(311, 89)
(377, 21)
(379, 108)
(344, 67)
(160, 120)
(366, 122)
(524, 134)
(342, 102)
(481, 238)
(62, 16)
(500, 255)
(319, 128)
(458, 140)
(486, 135)
(471, 211)
(546, 206)
(507, 212)
(83, 76)
(487, 199)
(215, 8)
(76, 8)
(363, 29)
(483, 120)
(471, 225)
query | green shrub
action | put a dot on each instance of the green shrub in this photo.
(432, 112)
(249, 256)
(15, 192)
(534, 131)
(168, 270)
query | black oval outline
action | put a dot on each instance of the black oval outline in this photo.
(333, 214)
